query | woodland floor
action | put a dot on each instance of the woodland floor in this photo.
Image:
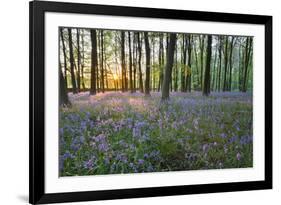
(116, 132)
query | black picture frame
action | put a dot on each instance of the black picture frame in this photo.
(37, 11)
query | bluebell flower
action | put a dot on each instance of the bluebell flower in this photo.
(140, 161)
(67, 155)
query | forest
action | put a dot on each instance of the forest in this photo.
(138, 101)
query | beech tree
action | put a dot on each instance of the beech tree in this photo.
(169, 66)
(71, 60)
(147, 71)
(105, 60)
(93, 61)
(206, 86)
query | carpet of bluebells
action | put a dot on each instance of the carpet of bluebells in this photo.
(116, 132)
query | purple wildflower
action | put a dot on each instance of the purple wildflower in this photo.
(238, 156)
(140, 161)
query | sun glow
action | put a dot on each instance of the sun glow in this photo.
(115, 77)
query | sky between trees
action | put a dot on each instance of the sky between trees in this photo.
(111, 60)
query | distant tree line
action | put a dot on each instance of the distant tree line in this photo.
(107, 60)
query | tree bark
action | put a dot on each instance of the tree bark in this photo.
(188, 74)
(78, 59)
(130, 64)
(64, 57)
(123, 61)
(246, 63)
(134, 63)
(102, 61)
(225, 63)
(176, 69)
(169, 66)
(220, 62)
(93, 62)
(161, 60)
(83, 61)
(140, 53)
(71, 59)
(197, 66)
(206, 88)
(214, 71)
(64, 101)
(202, 45)
(147, 72)
(230, 63)
(183, 62)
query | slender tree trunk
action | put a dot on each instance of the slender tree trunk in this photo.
(152, 63)
(78, 59)
(140, 54)
(202, 45)
(134, 62)
(214, 71)
(206, 88)
(225, 64)
(220, 63)
(176, 69)
(197, 65)
(123, 61)
(64, 101)
(71, 58)
(169, 66)
(183, 62)
(93, 61)
(99, 64)
(240, 68)
(230, 63)
(83, 61)
(147, 54)
(246, 63)
(102, 62)
(161, 60)
(130, 64)
(64, 57)
(105, 64)
(188, 74)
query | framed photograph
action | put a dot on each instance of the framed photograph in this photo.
(140, 102)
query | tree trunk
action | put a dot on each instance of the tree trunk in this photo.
(130, 64)
(183, 62)
(202, 45)
(230, 63)
(64, 101)
(188, 74)
(64, 57)
(246, 63)
(220, 62)
(153, 68)
(93, 61)
(71, 59)
(140, 53)
(197, 66)
(78, 59)
(83, 61)
(225, 63)
(206, 88)
(169, 66)
(102, 62)
(214, 71)
(240, 68)
(134, 62)
(161, 60)
(176, 69)
(123, 61)
(147, 72)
